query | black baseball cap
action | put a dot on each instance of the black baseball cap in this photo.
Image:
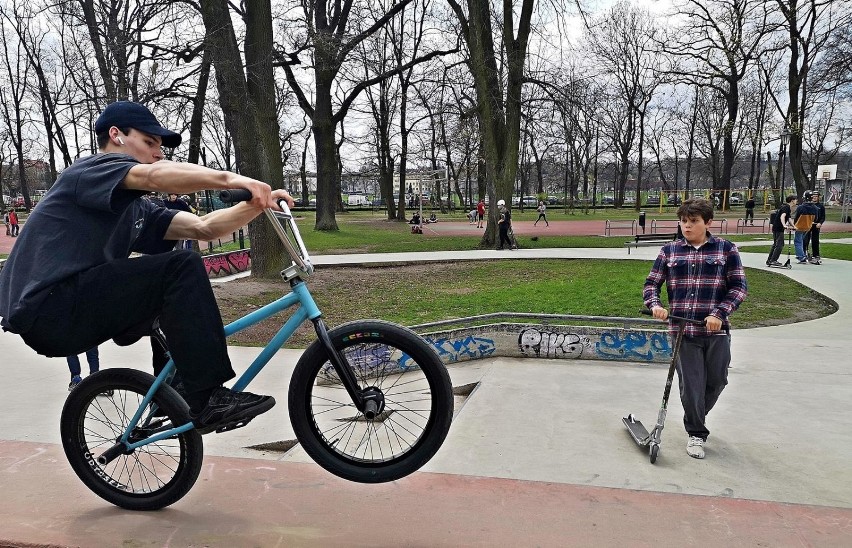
(124, 114)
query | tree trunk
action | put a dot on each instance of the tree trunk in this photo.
(245, 105)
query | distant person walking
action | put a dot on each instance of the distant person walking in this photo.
(480, 211)
(504, 224)
(749, 205)
(803, 220)
(13, 223)
(542, 209)
(812, 237)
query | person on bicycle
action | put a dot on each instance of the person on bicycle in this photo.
(70, 284)
(705, 280)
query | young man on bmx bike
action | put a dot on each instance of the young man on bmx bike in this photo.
(70, 284)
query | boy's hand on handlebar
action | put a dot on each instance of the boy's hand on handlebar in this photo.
(261, 193)
(712, 323)
(660, 313)
(281, 194)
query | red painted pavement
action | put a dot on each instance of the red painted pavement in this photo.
(248, 502)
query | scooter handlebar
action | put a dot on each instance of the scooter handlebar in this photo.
(647, 312)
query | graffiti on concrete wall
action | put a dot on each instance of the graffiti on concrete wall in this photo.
(225, 264)
(467, 348)
(632, 345)
(549, 344)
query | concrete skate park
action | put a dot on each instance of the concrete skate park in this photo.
(537, 454)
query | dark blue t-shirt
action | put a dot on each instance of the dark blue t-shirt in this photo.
(85, 220)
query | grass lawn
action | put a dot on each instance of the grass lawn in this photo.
(414, 294)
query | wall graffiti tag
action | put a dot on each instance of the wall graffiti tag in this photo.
(632, 345)
(467, 348)
(225, 264)
(546, 344)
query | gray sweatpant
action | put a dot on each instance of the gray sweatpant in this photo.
(702, 370)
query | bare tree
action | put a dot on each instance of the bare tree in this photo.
(717, 44)
(330, 36)
(32, 35)
(499, 104)
(245, 95)
(810, 25)
(12, 101)
(626, 42)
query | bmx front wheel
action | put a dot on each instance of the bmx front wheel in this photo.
(408, 428)
(96, 414)
(654, 451)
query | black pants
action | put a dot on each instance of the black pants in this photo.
(504, 236)
(777, 246)
(812, 237)
(749, 215)
(702, 370)
(111, 299)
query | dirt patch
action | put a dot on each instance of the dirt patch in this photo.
(336, 290)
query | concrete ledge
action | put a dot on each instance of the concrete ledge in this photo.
(227, 264)
(526, 340)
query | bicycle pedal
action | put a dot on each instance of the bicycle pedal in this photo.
(233, 425)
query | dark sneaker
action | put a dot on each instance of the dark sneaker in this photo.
(227, 410)
(75, 380)
(774, 263)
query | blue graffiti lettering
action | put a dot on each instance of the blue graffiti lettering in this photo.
(630, 345)
(468, 348)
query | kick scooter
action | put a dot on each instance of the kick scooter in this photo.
(634, 426)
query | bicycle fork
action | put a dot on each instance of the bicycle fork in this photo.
(369, 401)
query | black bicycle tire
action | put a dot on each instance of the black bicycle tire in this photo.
(434, 433)
(72, 429)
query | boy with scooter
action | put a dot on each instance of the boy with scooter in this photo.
(705, 280)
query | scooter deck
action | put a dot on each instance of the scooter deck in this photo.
(637, 430)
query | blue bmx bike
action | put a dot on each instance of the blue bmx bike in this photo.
(369, 401)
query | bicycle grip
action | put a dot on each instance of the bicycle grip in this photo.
(235, 195)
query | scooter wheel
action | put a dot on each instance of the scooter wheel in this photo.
(654, 451)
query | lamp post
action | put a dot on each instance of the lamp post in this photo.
(785, 140)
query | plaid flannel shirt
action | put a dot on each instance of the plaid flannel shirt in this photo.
(708, 281)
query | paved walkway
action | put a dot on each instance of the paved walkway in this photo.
(537, 455)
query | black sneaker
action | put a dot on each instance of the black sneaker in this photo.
(227, 410)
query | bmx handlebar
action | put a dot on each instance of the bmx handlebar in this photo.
(647, 312)
(280, 221)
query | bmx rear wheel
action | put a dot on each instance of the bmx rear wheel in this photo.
(97, 413)
(408, 428)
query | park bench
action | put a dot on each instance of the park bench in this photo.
(644, 240)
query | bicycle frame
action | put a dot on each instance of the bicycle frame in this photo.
(306, 310)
